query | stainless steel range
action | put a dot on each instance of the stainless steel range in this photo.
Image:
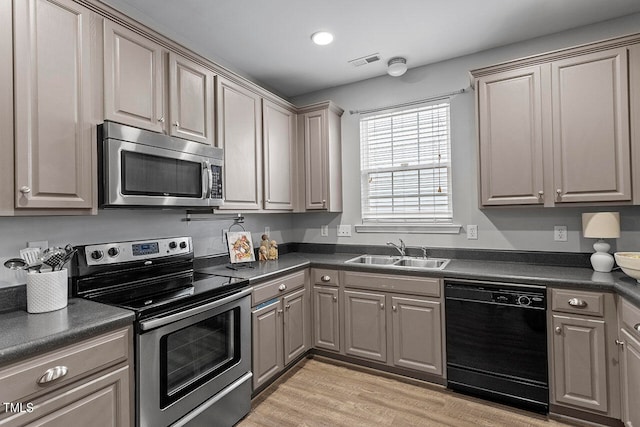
(192, 330)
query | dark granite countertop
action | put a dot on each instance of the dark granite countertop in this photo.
(495, 271)
(25, 335)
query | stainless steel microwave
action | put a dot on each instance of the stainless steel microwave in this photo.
(139, 168)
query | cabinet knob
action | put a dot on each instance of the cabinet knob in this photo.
(559, 193)
(161, 119)
(25, 190)
(540, 194)
(335, 299)
(558, 330)
(324, 203)
(268, 200)
(53, 374)
(287, 307)
(282, 287)
(382, 306)
(578, 303)
(279, 312)
(394, 307)
(620, 343)
(637, 327)
(326, 278)
(176, 124)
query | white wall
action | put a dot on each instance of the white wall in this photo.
(510, 228)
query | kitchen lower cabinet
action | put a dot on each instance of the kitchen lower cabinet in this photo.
(55, 98)
(326, 318)
(365, 326)
(281, 325)
(584, 361)
(89, 383)
(629, 344)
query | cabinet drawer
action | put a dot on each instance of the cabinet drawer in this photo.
(578, 302)
(630, 317)
(276, 287)
(21, 380)
(386, 282)
(325, 277)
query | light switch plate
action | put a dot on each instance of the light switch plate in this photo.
(267, 231)
(560, 233)
(472, 232)
(42, 244)
(344, 230)
(324, 230)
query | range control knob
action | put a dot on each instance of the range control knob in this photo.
(97, 255)
(173, 245)
(113, 252)
(524, 300)
(183, 245)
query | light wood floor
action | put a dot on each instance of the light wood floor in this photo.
(322, 393)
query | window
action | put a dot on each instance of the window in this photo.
(406, 166)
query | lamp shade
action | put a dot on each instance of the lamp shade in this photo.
(601, 225)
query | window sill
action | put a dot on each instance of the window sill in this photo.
(409, 228)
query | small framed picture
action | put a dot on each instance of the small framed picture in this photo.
(240, 247)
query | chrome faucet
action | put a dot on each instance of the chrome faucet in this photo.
(402, 248)
(424, 252)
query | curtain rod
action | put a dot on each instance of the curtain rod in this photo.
(410, 103)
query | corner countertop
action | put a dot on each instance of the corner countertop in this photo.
(25, 335)
(494, 271)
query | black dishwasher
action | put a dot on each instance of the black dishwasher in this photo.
(497, 342)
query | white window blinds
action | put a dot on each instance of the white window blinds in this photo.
(406, 166)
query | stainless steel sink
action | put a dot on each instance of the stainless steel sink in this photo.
(400, 262)
(374, 259)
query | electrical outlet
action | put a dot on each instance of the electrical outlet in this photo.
(42, 244)
(560, 233)
(472, 232)
(267, 231)
(344, 230)
(324, 230)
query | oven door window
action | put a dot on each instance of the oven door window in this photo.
(149, 175)
(193, 355)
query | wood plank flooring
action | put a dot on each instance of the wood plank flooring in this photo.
(318, 392)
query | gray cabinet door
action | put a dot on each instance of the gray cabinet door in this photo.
(296, 324)
(54, 129)
(315, 157)
(365, 329)
(267, 342)
(278, 126)
(591, 148)
(580, 364)
(326, 324)
(133, 79)
(630, 380)
(239, 135)
(191, 89)
(417, 334)
(510, 136)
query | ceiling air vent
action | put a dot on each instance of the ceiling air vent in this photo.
(365, 60)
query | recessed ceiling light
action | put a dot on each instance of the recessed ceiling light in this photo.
(322, 38)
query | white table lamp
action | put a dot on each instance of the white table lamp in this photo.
(601, 225)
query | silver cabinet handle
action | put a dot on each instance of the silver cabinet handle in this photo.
(279, 312)
(540, 194)
(287, 307)
(558, 330)
(382, 306)
(637, 327)
(161, 119)
(176, 124)
(282, 287)
(559, 193)
(326, 278)
(576, 302)
(394, 308)
(53, 374)
(324, 203)
(25, 190)
(620, 343)
(335, 299)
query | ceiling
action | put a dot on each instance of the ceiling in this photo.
(269, 41)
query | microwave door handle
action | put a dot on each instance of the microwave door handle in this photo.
(207, 176)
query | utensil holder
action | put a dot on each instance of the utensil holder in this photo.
(46, 291)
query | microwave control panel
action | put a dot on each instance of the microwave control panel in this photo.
(111, 253)
(216, 184)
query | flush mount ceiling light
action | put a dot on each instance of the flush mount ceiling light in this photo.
(322, 38)
(396, 66)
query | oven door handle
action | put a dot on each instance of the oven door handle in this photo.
(162, 321)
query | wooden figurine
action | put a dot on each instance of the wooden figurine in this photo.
(263, 252)
(273, 250)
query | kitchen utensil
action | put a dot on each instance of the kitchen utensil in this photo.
(16, 264)
(52, 257)
(70, 252)
(31, 255)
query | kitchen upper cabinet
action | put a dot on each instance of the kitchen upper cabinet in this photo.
(365, 326)
(7, 188)
(320, 128)
(191, 88)
(510, 137)
(239, 134)
(133, 79)
(591, 150)
(556, 132)
(279, 160)
(55, 131)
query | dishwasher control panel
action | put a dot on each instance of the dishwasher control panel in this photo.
(525, 297)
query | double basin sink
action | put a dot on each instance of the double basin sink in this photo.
(407, 262)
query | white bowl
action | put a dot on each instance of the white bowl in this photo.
(629, 262)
